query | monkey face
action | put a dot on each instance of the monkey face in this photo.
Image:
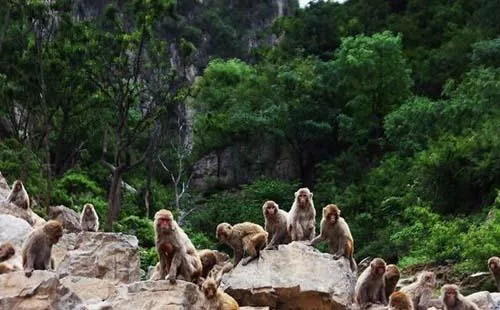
(164, 222)
(450, 296)
(271, 208)
(209, 289)
(378, 267)
(430, 279)
(303, 197)
(223, 231)
(331, 214)
(18, 186)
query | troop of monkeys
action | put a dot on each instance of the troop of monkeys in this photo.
(178, 258)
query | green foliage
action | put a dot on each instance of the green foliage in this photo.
(75, 188)
(246, 205)
(486, 53)
(148, 257)
(140, 227)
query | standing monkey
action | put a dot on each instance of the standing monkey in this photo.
(18, 195)
(370, 287)
(38, 248)
(176, 252)
(453, 300)
(400, 301)
(302, 216)
(420, 291)
(494, 266)
(243, 238)
(335, 231)
(391, 276)
(89, 221)
(275, 224)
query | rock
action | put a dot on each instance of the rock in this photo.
(11, 209)
(42, 291)
(240, 164)
(65, 244)
(68, 217)
(110, 256)
(91, 290)
(482, 299)
(295, 276)
(480, 281)
(254, 308)
(14, 230)
(496, 300)
(36, 220)
(159, 295)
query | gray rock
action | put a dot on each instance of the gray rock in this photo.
(295, 276)
(68, 217)
(110, 256)
(42, 291)
(482, 299)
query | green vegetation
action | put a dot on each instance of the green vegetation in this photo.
(390, 109)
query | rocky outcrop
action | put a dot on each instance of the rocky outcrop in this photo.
(159, 295)
(110, 256)
(482, 299)
(42, 291)
(496, 300)
(295, 276)
(14, 230)
(69, 218)
(65, 244)
(237, 165)
(92, 291)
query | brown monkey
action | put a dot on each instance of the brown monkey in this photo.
(494, 266)
(210, 258)
(176, 252)
(18, 195)
(420, 291)
(218, 298)
(370, 287)
(37, 249)
(400, 301)
(453, 300)
(335, 231)
(302, 216)
(89, 221)
(391, 276)
(6, 251)
(243, 238)
(275, 224)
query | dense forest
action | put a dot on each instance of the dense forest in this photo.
(390, 109)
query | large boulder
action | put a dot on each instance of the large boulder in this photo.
(159, 295)
(92, 291)
(68, 217)
(295, 276)
(42, 291)
(480, 281)
(11, 209)
(110, 256)
(482, 299)
(65, 244)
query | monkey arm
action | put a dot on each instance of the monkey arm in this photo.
(342, 243)
(174, 265)
(311, 229)
(381, 293)
(238, 254)
(277, 237)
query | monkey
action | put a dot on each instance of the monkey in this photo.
(420, 291)
(370, 287)
(275, 224)
(210, 258)
(6, 251)
(494, 266)
(176, 252)
(89, 221)
(243, 237)
(219, 299)
(453, 300)
(37, 249)
(18, 195)
(335, 230)
(391, 276)
(400, 301)
(302, 216)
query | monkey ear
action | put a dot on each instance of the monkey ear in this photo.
(297, 193)
(339, 211)
(311, 194)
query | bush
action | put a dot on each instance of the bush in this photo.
(140, 227)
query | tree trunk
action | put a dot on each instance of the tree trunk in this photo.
(114, 198)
